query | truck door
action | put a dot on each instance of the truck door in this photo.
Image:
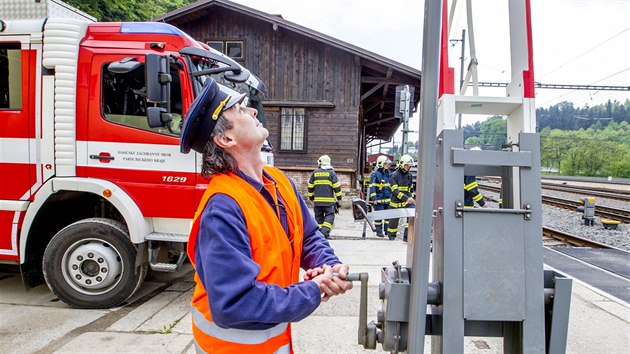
(17, 134)
(16, 121)
(122, 148)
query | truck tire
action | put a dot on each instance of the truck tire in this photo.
(91, 264)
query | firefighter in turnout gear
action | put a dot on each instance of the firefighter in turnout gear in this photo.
(324, 190)
(471, 191)
(401, 184)
(380, 191)
(472, 194)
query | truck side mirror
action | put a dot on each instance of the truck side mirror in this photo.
(159, 79)
(124, 66)
(158, 117)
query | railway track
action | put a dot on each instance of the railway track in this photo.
(600, 210)
(596, 192)
(601, 189)
(567, 239)
(622, 215)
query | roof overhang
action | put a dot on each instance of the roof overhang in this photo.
(379, 75)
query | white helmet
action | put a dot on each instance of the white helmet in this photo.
(476, 148)
(406, 160)
(323, 160)
(381, 161)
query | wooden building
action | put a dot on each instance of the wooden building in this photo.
(325, 96)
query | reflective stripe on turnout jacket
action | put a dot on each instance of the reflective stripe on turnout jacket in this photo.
(401, 184)
(324, 188)
(380, 191)
(279, 261)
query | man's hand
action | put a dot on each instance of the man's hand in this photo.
(313, 272)
(330, 285)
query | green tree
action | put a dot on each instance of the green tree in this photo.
(127, 10)
(472, 130)
(494, 131)
(619, 165)
(552, 147)
(393, 150)
(572, 162)
(474, 140)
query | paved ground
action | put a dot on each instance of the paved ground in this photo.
(157, 320)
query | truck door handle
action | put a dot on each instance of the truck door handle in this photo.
(101, 157)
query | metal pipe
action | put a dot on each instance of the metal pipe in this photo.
(434, 293)
(363, 278)
(425, 183)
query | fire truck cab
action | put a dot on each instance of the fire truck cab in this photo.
(94, 188)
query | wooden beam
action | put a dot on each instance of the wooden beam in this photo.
(383, 80)
(371, 107)
(379, 100)
(381, 120)
(390, 71)
(374, 66)
(371, 91)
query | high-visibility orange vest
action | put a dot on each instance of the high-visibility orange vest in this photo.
(277, 254)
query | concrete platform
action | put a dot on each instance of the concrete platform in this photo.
(157, 320)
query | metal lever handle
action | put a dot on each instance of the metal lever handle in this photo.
(363, 327)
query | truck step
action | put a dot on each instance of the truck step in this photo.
(160, 236)
(163, 267)
(176, 243)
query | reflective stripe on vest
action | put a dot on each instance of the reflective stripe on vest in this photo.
(285, 349)
(241, 336)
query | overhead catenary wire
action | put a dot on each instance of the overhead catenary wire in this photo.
(584, 53)
(592, 83)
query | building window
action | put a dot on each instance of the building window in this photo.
(292, 128)
(11, 72)
(218, 45)
(232, 48)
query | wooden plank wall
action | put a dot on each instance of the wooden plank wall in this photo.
(296, 68)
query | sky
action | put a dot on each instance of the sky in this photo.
(580, 42)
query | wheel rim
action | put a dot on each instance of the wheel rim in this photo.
(92, 266)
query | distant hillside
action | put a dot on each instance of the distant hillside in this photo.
(589, 141)
(565, 116)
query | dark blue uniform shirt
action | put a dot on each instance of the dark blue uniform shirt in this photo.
(228, 272)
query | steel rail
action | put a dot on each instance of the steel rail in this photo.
(622, 215)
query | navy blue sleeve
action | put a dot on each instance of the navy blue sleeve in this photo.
(225, 266)
(316, 250)
(374, 182)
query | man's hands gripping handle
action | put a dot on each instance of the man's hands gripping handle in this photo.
(332, 281)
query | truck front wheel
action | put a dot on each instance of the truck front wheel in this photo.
(91, 264)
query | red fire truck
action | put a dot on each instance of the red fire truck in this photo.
(94, 189)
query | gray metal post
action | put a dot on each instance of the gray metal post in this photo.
(404, 107)
(461, 73)
(421, 244)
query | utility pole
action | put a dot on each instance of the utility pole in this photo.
(461, 69)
